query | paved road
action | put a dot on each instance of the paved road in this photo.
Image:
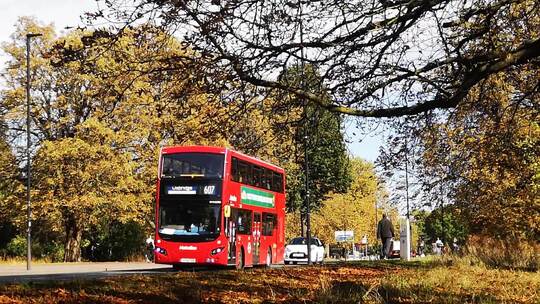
(84, 271)
(70, 271)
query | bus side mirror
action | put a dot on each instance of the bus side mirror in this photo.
(227, 211)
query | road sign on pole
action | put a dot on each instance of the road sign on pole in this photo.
(344, 235)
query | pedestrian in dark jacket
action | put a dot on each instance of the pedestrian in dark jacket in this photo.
(385, 232)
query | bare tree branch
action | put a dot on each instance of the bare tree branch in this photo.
(377, 58)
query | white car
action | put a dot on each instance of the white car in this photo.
(296, 251)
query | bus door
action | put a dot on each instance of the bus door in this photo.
(231, 235)
(256, 237)
(270, 236)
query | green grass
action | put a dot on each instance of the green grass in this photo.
(419, 281)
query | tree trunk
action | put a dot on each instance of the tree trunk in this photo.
(72, 247)
(301, 223)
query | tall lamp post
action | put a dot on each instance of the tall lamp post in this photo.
(405, 251)
(306, 140)
(29, 36)
(407, 181)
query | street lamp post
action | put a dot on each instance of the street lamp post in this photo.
(406, 254)
(308, 217)
(29, 36)
(306, 140)
(407, 178)
(442, 212)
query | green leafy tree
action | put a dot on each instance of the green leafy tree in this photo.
(420, 223)
(312, 132)
(317, 135)
(445, 223)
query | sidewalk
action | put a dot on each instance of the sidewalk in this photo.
(55, 271)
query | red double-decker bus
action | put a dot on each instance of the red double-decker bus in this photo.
(216, 206)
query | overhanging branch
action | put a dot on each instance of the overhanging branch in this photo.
(524, 53)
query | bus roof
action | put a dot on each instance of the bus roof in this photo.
(217, 150)
(184, 149)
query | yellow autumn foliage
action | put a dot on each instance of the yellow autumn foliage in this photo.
(358, 209)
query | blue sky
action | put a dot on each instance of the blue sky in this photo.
(362, 144)
(63, 13)
(60, 12)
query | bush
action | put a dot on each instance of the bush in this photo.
(16, 247)
(7, 233)
(50, 251)
(507, 253)
(115, 241)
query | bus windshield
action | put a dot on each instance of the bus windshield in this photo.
(189, 218)
(193, 164)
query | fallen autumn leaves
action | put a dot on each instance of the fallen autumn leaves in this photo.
(365, 282)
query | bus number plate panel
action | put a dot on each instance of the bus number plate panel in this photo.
(186, 260)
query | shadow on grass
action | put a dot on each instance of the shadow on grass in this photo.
(346, 292)
(422, 294)
(390, 264)
(207, 287)
(103, 290)
(357, 292)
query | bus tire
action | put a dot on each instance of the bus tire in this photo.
(240, 263)
(269, 257)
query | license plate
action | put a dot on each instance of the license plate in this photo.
(298, 255)
(186, 260)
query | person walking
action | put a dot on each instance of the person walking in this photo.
(455, 246)
(439, 245)
(385, 232)
(149, 254)
(421, 247)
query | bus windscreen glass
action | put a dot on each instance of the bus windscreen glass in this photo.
(193, 164)
(189, 218)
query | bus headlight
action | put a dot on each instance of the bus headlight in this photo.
(217, 250)
(161, 250)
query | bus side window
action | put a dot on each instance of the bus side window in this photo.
(277, 182)
(244, 222)
(256, 176)
(244, 172)
(269, 224)
(235, 172)
(267, 179)
(262, 176)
